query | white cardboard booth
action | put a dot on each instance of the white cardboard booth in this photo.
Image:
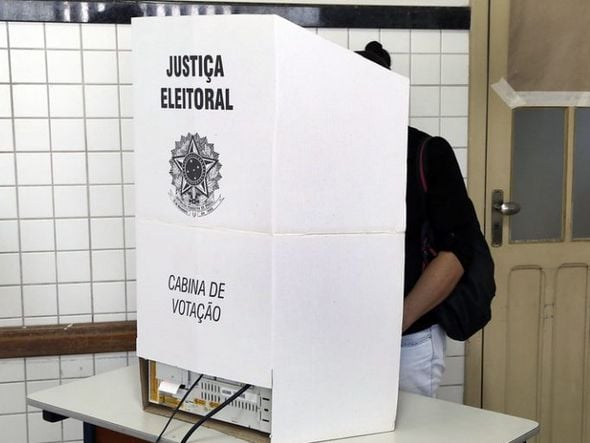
(270, 216)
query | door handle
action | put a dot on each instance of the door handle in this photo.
(500, 208)
(507, 208)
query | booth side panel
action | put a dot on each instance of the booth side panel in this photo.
(341, 146)
(337, 311)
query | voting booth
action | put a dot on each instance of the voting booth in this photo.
(270, 216)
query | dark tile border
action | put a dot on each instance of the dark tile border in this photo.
(321, 16)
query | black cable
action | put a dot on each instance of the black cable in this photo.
(178, 406)
(213, 412)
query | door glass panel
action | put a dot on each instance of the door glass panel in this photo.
(581, 202)
(538, 144)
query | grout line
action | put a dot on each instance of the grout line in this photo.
(52, 177)
(125, 273)
(91, 270)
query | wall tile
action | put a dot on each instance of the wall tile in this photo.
(40, 321)
(4, 66)
(8, 199)
(35, 202)
(31, 135)
(12, 369)
(27, 66)
(38, 267)
(70, 319)
(73, 431)
(358, 38)
(69, 168)
(455, 130)
(6, 141)
(72, 233)
(30, 100)
(109, 297)
(67, 134)
(109, 362)
(71, 201)
(107, 233)
(102, 101)
(455, 348)
(104, 168)
(125, 68)
(100, 67)
(16, 393)
(10, 302)
(42, 368)
(128, 167)
(35, 386)
(454, 101)
(103, 134)
(74, 298)
(26, 35)
(400, 63)
(9, 236)
(124, 37)
(454, 372)
(451, 393)
(76, 366)
(62, 35)
(14, 427)
(7, 169)
(127, 141)
(9, 269)
(37, 235)
(110, 317)
(335, 35)
(396, 40)
(126, 93)
(130, 260)
(99, 36)
(455, 69)
(131, 296)
(108, 265)
(129, 232)
(424, 101)
(455, 41)
(106, 200)
(425, 41)
(41, 431)
(461, 154)
(66, 101)
(3, 35)
(425, 69)
(430, 125)
(73, 266)
(129, 196)
(39, 300)
(64, 67)
(33, 169)
(5, 101)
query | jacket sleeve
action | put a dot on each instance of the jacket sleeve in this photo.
(450, 212)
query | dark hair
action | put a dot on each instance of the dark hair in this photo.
(374, 51)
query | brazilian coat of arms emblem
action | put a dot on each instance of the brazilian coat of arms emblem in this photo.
(194, 167)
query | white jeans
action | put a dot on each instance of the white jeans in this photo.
(423, 361)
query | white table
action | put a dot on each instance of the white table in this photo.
(113, 401)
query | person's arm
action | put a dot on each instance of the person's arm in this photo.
(434, 285)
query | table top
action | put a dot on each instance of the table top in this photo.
(113, 400)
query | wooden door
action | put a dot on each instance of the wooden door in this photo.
(536, 350)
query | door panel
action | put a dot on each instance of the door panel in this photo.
(536, 349)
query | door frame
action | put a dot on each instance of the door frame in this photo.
(476, 177)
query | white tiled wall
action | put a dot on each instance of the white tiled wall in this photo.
(67, 249)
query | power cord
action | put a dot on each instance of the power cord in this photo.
(213, 412)
(178, 406)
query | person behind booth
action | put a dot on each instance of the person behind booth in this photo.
(451, 216)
